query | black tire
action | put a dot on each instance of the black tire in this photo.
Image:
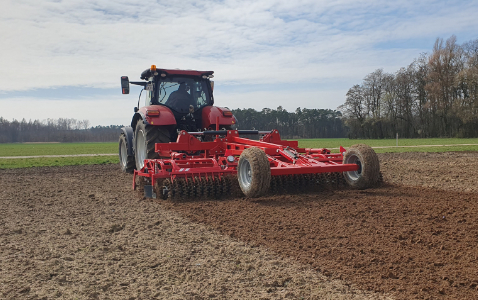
(254, 172)
(126, 161)
(145, 137)
(368, 174)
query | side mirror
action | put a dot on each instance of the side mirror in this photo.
(212, 85)
(125, 84)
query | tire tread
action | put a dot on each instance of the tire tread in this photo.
(261, 173)
(130, 162)
(370, 175)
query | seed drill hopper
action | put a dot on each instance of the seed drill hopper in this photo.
(194, 168)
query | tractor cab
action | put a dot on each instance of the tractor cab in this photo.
(185, 96)
(175, 101)
(181, 94)
(184, 92)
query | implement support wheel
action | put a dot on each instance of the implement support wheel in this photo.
(254, 172)
(368, 174)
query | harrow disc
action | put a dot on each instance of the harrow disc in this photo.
(224, 187)
(210, 187)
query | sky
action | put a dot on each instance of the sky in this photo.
(64, 59)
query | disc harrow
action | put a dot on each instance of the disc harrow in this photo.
(194, 188)
(230, 165)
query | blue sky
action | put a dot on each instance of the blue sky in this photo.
(65, 58)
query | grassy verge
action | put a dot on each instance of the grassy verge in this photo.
(56, 161)
(427, 149)
(101, 148)
(403, 144)
(56, 149)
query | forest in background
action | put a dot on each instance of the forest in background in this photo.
(55, 130)
(303, 123)
(434, 96)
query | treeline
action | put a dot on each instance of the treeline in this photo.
(435, 96)
(303, 123)
(59, 130)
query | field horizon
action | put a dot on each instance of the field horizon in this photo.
(68, 150)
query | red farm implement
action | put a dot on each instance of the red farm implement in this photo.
(192, 167)
(205, 161)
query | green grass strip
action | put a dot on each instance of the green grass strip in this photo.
(106, 148)
(57, 161)
(31, 149)
(427, 149)
(336, 143)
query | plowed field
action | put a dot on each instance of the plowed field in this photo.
(81, 233)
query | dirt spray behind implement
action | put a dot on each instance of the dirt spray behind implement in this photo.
(193, 168)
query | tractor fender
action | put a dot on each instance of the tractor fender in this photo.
(128, 132)
(165, 117)
(210, 113)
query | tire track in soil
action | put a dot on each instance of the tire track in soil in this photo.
(411, 242)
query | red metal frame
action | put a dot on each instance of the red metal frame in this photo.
(211, 115)
(190, 157)
(165, 117)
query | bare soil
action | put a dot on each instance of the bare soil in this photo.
(81, 233)
(452, 171)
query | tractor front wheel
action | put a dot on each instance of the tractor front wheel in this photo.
(254, 172)
(145, 137)
(368, 173)
(127, 163)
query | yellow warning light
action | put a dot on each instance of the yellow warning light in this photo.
(153, 68)
(152, 112)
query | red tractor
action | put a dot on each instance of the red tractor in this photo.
(176, 100)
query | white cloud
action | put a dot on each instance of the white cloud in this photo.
(92, 43)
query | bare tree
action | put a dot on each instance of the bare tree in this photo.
(436, 95)
(86, 124)
(444, 65)
(373, 91)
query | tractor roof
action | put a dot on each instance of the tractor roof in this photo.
(147, 73)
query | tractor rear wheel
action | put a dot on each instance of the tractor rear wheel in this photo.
(127, 163)
(145, 137)
(254, 172)
(368, 174)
